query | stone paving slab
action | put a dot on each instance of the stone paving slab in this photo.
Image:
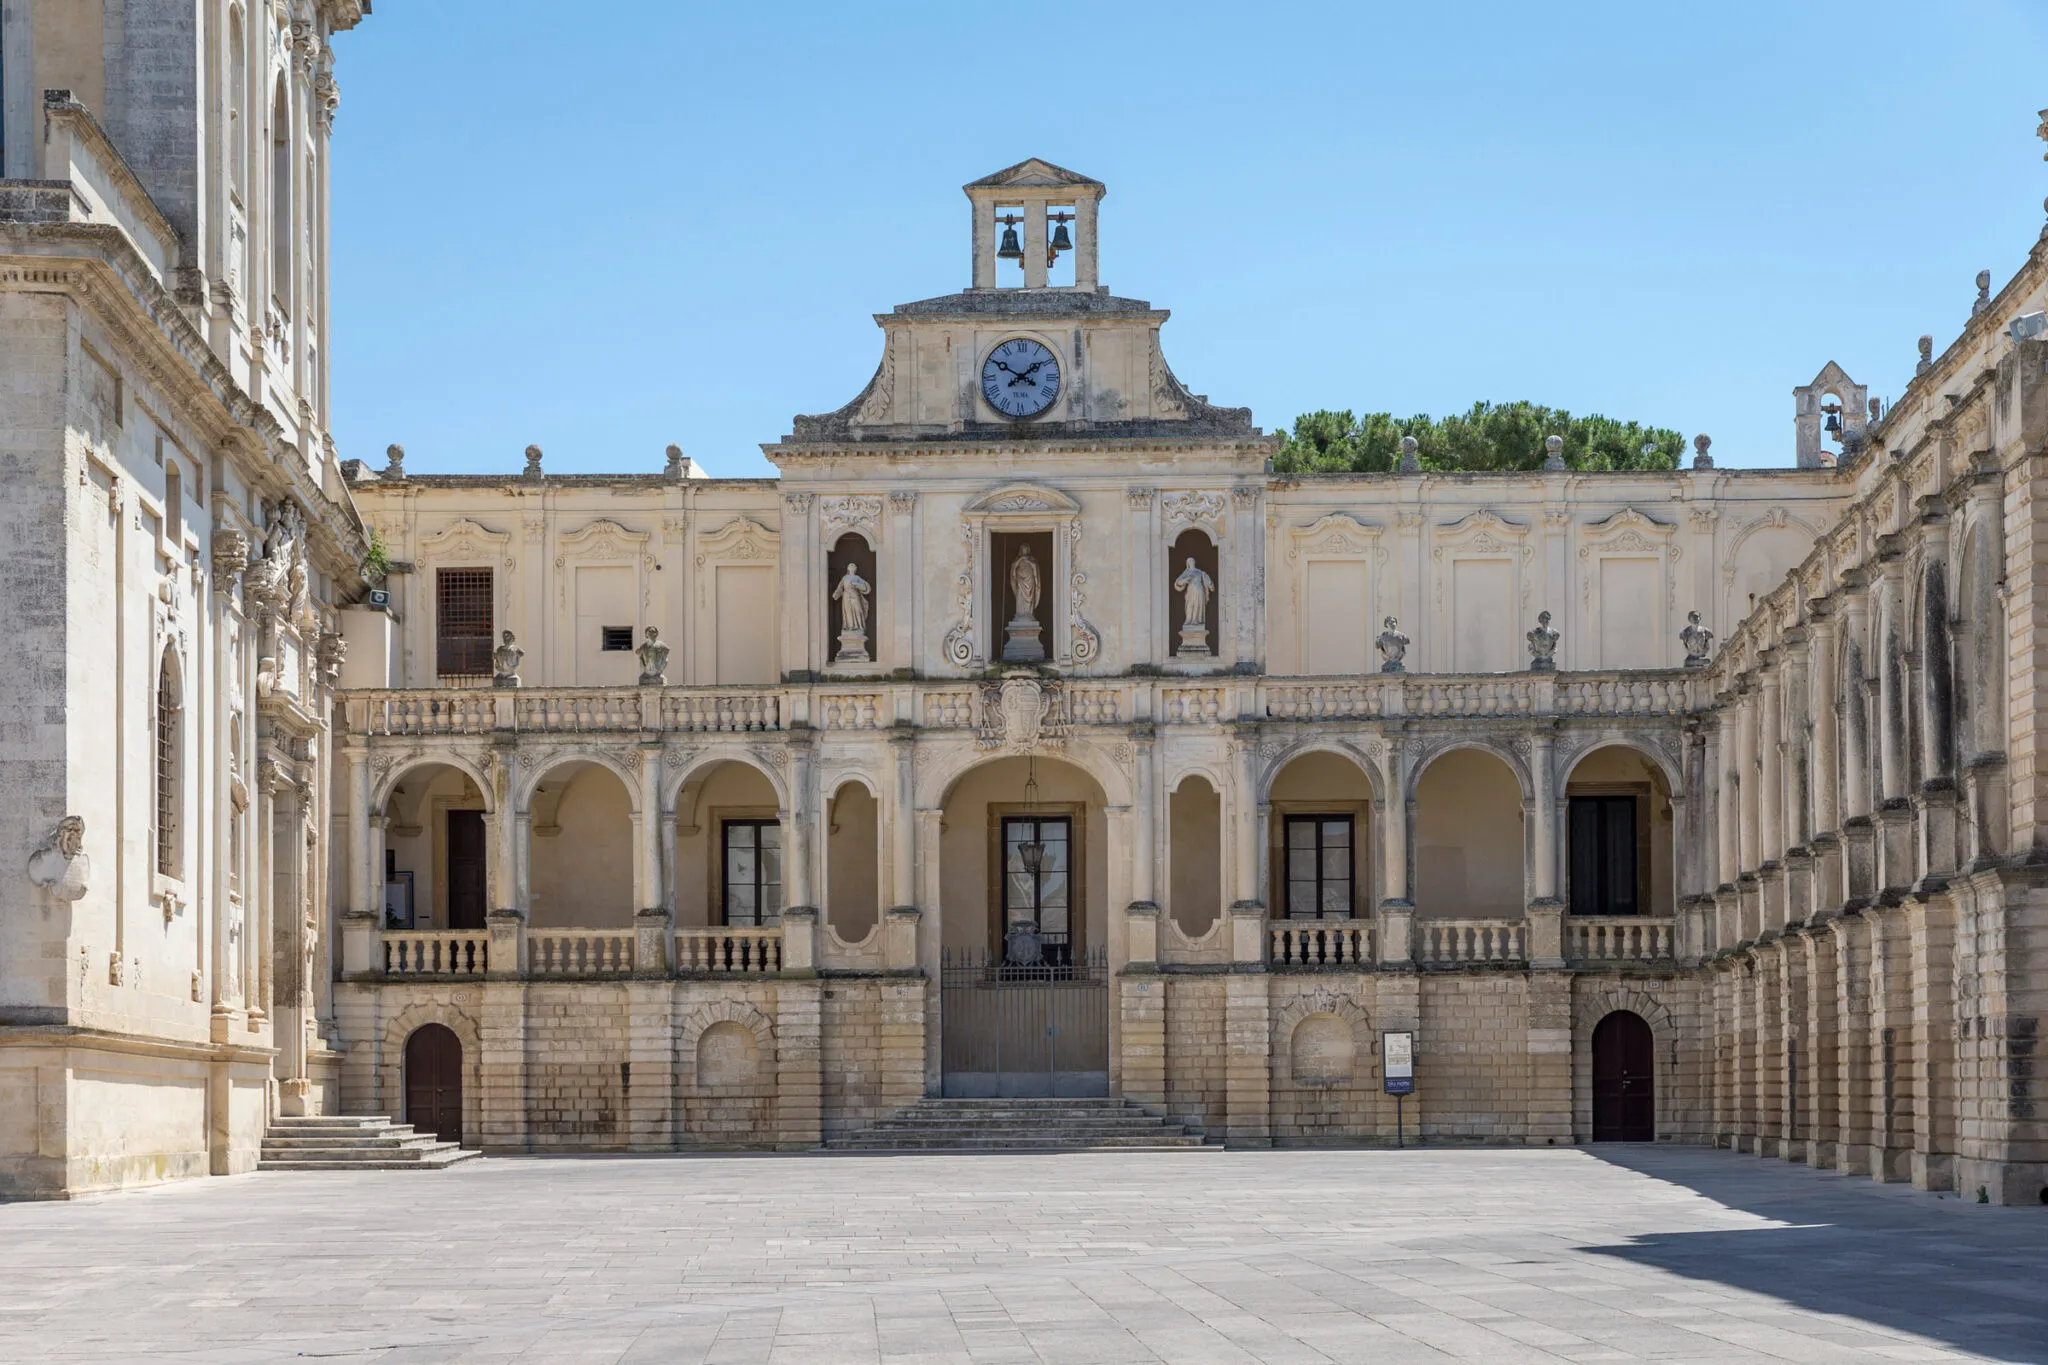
(1499, 1256)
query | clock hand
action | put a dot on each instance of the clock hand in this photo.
(1001, 366)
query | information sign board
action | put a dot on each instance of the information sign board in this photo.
(1398, 1052)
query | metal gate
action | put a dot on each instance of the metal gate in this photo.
(1018, 1032)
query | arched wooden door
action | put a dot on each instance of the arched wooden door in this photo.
(433, 1082)
(1624, 1080)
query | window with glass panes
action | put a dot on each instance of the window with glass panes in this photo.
(753, 872)
(1039, 896)
(1320, 866)
(1604, 865)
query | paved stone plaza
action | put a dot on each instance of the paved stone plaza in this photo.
(1496, 1255)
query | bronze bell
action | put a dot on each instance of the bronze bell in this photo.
(1833, 427)
(1010, 250)
(1060, 240)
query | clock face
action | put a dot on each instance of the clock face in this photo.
(1020, 378)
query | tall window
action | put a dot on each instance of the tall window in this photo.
(1320, 866)
(1603, 831)
(753, 872)
(281, 199)
(169, 707)
(238, 106)
(462, 623)
(1038, 867)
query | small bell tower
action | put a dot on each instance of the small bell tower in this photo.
(1033, 214)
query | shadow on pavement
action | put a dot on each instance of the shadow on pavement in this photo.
(1969, 1276)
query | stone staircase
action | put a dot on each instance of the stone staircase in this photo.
(1019, 1126)
(352, 1142)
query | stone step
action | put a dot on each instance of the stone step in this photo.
(353, 1142)
(1020, 1125)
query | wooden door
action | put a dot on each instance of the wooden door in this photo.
(1624, 1080)
(465, 869)
(433, 1082)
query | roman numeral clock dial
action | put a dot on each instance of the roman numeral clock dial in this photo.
(1020, 378)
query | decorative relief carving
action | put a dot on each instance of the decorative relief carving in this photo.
(903, 501)
(1021, 712)
(852, 513)
(1335, 534)
(959, 646)
(1194, 509)
(798, 503)
(1140, 499)
(880, 401)
(1244, 498)
(1087, 643)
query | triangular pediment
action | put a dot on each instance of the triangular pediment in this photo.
(1031, 173)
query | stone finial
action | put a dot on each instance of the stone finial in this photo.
(394, 461)
(1409, 463)
(1393, 647)
(1983, 299)
(2042, 131)
(533, 470)
(1701, 444)
(1876, 409)
(1926, 356)
(1698, 641)
(1553, 453)
(674, 468)
(505, 663)
(653, 660)
(1543, 645)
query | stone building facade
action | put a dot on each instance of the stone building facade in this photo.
(1026, 735)
(174, 537)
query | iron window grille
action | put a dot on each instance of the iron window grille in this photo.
(462, 616)
(168, 705)
(612, 639)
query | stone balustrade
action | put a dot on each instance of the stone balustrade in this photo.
(948, 706)
(730, 951)
(1618, 938)
(1332, 943)
(436, 952)
(579, 952)
(1463, 942)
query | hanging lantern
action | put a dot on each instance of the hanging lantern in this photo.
(1032, 851)
(1010, 250)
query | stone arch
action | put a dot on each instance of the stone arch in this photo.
(1592, 741)
(1314, 1013)
(950, 768)
(684, 768)
(583, 843)
(1594, 999)
(552, 760)
(1432, 750)
(389, 1064)
(1470, 834)
(1370, 763)
(387, 784)
(690, 1035)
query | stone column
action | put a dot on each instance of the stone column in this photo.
(1248, 1033)
(647, 828)
(1543, 851)
(1827, 892)
(365, 876)
(1935, 803)
(1852, 1044)
(1859, 877)
(293, 1005)
(1771, 839)
(903, 822)
(796, 821)
(1145, 821)
(931, 939)
(1248, 812)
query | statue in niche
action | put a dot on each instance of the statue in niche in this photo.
(505, 663)
(59, 863)
(1195, 588)
(1393, 647)
(653, 660)
(1025, 644)
(1543, 645)
(1698, 641)
(852, 597)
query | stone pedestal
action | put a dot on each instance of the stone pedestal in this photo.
(1024, 642)
(1194, 642)
(853, 648)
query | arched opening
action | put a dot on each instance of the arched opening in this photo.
(853, 886)
(281, 198)
(581, 850)
(1323, 1051)
(1624, 1079)
(436, 868)
(727, 1056)
(1024, 879)
(728, 849)
(1320, 837)
(850, 601)
(170, 766)
(1194, 888)
(1191, 563)
(1618, 835)
(1469, 861)
(433, 1081)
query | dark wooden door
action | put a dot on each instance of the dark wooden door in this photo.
(433, 1082)
(1624, 1080)
(465, 869)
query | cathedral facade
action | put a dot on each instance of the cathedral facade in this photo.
(1026, 737)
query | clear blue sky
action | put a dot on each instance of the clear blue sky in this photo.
(607, 226)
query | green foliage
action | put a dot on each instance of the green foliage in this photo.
(1490, 437)
(376, 560)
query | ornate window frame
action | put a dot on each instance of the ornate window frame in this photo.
(1335, 537)
(1630, 534)
(1013, 508)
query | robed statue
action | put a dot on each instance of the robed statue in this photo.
(1024, 643)
(852, 596)
(1195, 588)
